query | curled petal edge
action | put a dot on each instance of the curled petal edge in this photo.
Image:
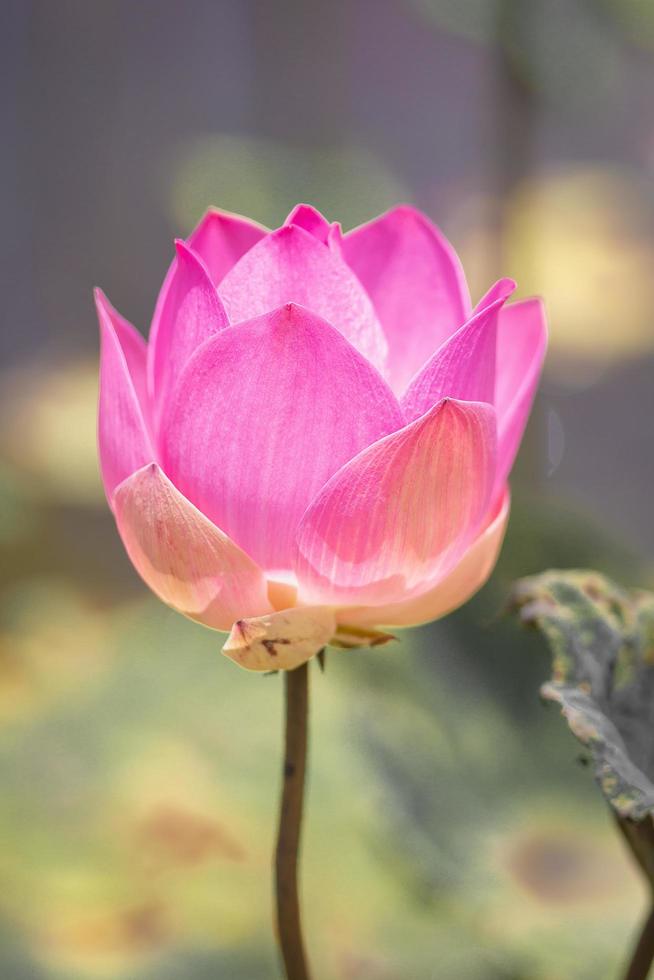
(282, 640)
(288, 638)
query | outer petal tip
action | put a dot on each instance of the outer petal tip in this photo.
(181, 247)
(189, 257)
(104, 308)
(288, 231)
(124, 440)
(310, 219)
(465, 365)
(189, 311)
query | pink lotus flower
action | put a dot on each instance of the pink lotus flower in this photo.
(318, 436)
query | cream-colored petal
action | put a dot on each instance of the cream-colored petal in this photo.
(281, 640)
(184, 558)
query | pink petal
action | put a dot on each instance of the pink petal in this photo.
(416, 283)
(123, 433)
(133, 346)
(221, 238)
(466, 578)
(401, 513)
(184, 558)
(501, 289)
(291, 266)
(190, 312)
(309, 218)
(218, 241)
(264, 414)
(464, 366)
(521, 346)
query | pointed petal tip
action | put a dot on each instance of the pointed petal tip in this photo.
(287, 231)
(153, 471)
(292, 232)
(462, 410)
(105, 314)
(103, 307)
(125, 332)
(312, 220)
(191, 259)
(149, 470)
(189, 311)
(300, 209)
(243, 634)
(293, 312)
(290, 315)
(449, 405)
(185, 252)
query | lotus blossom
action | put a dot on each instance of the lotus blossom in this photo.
(317, 437)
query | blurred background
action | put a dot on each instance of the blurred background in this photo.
(451, 833)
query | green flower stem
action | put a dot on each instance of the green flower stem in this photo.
(289, 929)
(643, 955)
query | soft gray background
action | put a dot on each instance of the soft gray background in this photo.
(461, 836)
